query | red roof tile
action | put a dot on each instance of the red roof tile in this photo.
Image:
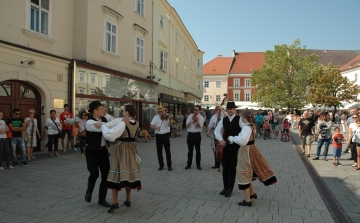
(218, 66)
(352, 64)
(244, 63)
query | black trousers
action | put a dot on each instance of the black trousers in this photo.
(82, 144)
(163, 140)
(53, 140)
(4, 147)
(194, 139)
(229, 159)
(353, 151)
(98, 159)
(216, 163)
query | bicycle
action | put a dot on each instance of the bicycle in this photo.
(285, 137)
(267, 134)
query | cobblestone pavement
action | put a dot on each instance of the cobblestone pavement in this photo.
(53, 189)
(342, 181)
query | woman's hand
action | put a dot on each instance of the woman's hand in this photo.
(222, 143)
(98, 124)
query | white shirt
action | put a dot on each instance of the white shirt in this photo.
(113, 129)
(2, 127)
(156, 121)
(214, 120)
(243, 138)
(192, 126)
(108, 117)
(288, 117)
(51, 127)
(353, 127)
(219, 128)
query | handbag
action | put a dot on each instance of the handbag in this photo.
(82, 133)
(25, 136)
(75, 131)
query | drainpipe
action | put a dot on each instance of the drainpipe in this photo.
(71, 86)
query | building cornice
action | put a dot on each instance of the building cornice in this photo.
(38, 36)
(140, 29)
(112, 13)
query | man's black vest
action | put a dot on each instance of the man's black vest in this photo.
(93, 139)
(231, 128)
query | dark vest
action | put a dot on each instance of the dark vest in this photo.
(231, 128)
(93, 139)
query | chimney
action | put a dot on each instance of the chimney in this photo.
(220, 55)
(233, 53)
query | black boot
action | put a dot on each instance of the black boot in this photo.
(89, 191)
(102, 196)
(231, 186)
(226, 185)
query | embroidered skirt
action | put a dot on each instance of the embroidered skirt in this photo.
(252, 164)
(124, 167)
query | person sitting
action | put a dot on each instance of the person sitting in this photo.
(144, 133)
(266, 127)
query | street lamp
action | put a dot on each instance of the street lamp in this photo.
(152, 76)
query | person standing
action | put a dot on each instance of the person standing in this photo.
(96, 152)
(66, 127)
(52, 125)
(306, 127)
(353, 113)
(82, 122)
(179, 122)
(33, 131)
(324, 128)
(280, 121)
(194, 125)
(215, 119)
(338, 139)
(228, 126)
(4, 144)
(208, 115)
(161, 124)
(17, 125)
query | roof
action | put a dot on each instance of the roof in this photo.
(218, 66)
(352, 64)
(336, 57)
(245, 62)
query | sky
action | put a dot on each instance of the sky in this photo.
(220, 26)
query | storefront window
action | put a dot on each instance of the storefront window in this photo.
(82, 104)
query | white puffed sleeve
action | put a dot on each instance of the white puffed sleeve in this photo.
(114, 129)
(243, 137)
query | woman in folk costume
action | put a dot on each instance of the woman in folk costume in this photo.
(250, 162)
(125, 163)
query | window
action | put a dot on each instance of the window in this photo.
(185, 49)
(236, 82)
(93, 76)
(176, 38)
(139, 50)
(218, 84)
(206, 98)
(198, 85)
(198, 63)
(218, 98)
(92, 91)
(82, 77)
(161, 22)
(236, 96)
(163, 60)
(107, 79)
(177, 69)
(140, 7)
(206, 84)
(82, 91)
(356, 77)
(247, 97)
(110, 36)
(184, 74)
(247, 82)
(39, 16)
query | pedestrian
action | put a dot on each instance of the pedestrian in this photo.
(179, 122)
(306, 129)
(125, 162)
(33, 131)
(338, 139)
(250, 162)
(52, 125)
(354, 127)
(66, 128)
(4, 144)
(343, 120)
(208, 115)
(353, 114)
(194, 125)
(161, 124)
(272, 121)
(228, 126)
(220, 113)
(96, 152)
(259, 123)
(82, 122)
(16, 126)
(324, 128)
(267, 133)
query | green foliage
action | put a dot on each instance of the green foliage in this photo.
(283, 79)
(328, 87)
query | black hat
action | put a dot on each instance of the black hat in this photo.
(93, 105)
(230, 104)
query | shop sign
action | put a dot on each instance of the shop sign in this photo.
(59, 103)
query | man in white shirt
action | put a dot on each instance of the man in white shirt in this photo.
(161, 124)
(194, 124)
(215, 119)
(228, 126)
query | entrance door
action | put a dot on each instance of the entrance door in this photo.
(18, 94)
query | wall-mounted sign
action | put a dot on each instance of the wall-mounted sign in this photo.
(59, 103)
(60, 77)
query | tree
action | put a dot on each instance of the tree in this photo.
(284, 76)
(328, 87)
